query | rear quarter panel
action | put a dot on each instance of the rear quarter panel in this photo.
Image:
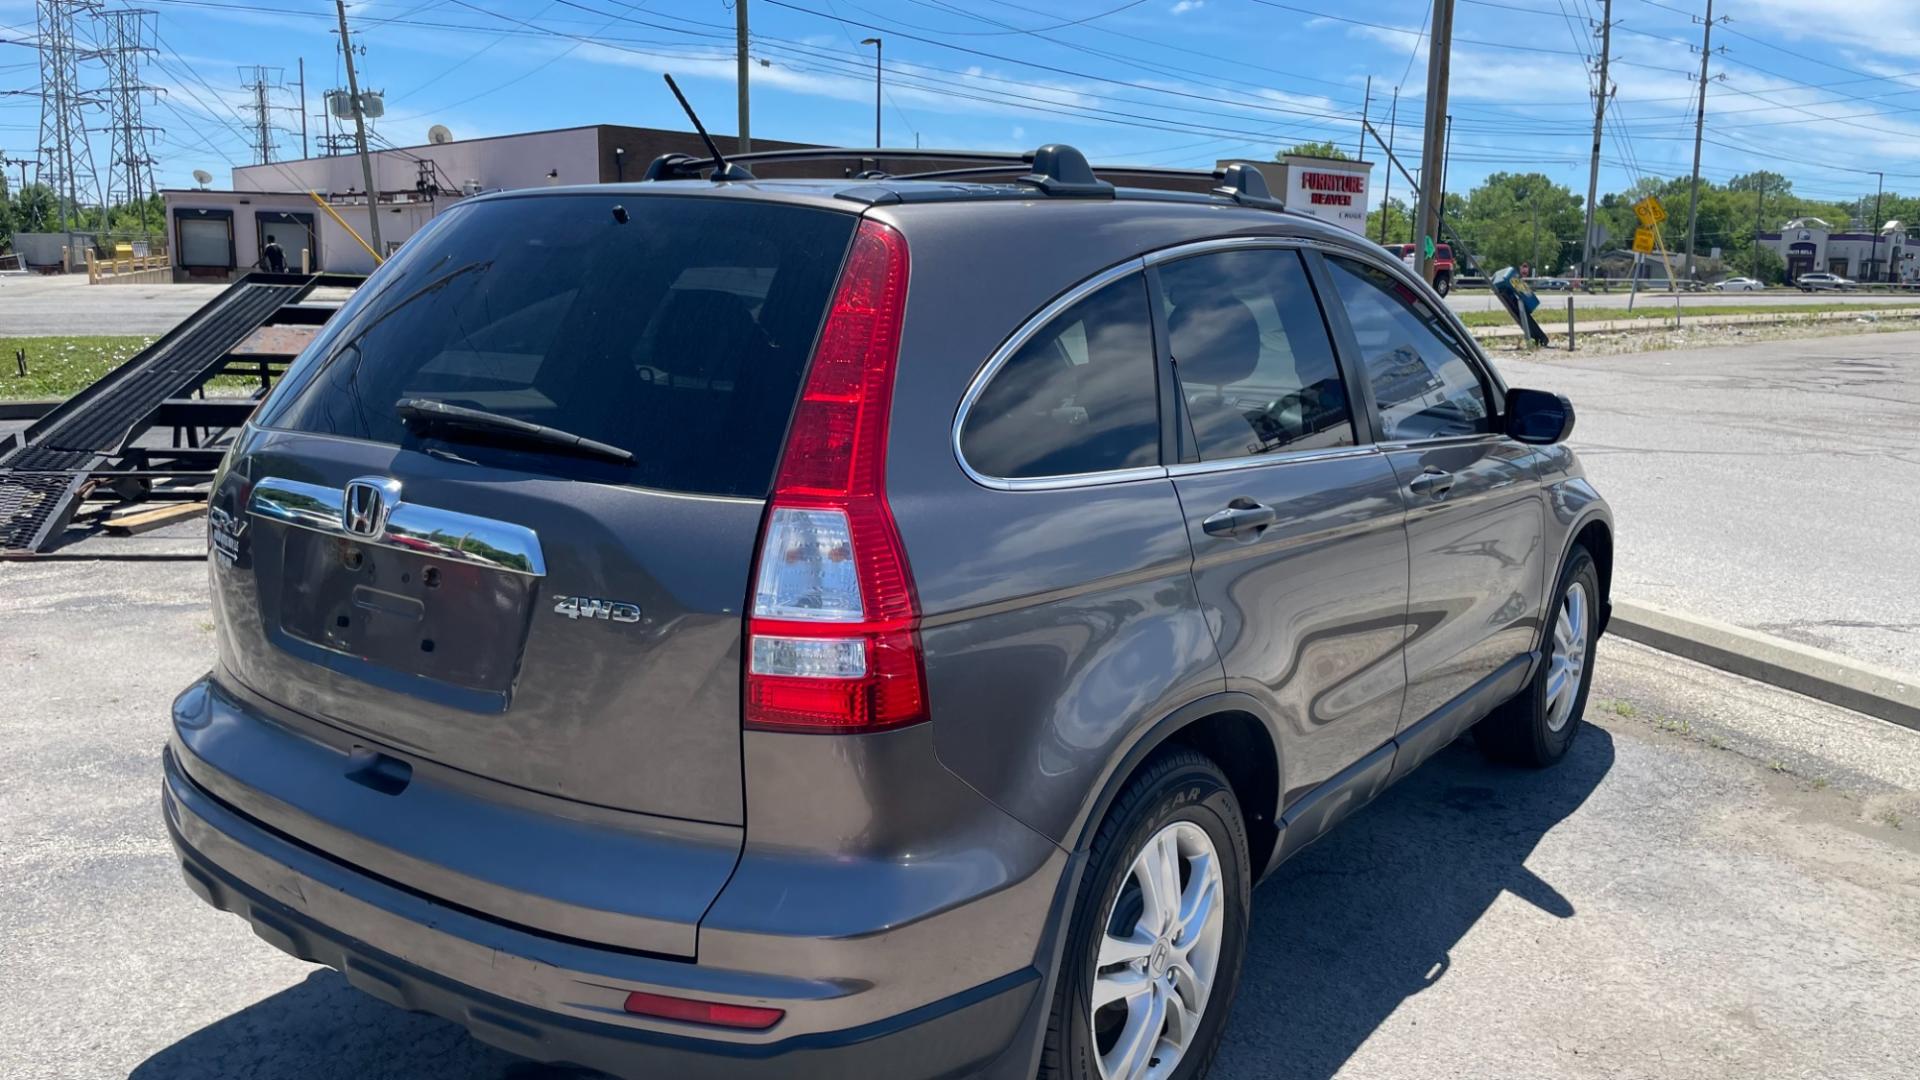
(1060, 625)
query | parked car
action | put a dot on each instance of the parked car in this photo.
(1739, 284)
(1443, 265)
(1557, 284)
(1824, 283)
(712, 629)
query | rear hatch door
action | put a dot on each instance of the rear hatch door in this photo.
(545, 618)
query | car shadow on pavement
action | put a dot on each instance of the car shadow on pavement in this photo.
(1369, 916)
(1341, 936)
(324, 1029)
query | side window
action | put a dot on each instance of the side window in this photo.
(1424, 384)
(1078, 397)
(1256, 366)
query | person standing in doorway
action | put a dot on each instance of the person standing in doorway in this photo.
(272, 259)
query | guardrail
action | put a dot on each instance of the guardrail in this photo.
(132, 270)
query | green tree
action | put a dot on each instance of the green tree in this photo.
(1321, 149)
(1399, 223)
(1515, 218)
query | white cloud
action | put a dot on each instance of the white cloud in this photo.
(1185, 6)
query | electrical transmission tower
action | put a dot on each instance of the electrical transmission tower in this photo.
(65, 157)
(127, 32)
(261, 83)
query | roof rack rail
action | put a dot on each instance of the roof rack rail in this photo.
(1056, 169)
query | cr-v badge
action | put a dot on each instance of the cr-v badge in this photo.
(591, 607)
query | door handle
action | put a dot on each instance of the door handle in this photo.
(1433, 483)
(1242, 516)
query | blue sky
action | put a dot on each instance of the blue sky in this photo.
(1817, 89)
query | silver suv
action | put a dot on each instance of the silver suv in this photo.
(860, 627)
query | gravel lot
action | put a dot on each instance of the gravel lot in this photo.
(1712, 885)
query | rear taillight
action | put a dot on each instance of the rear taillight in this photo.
(832, 639)
(691, 1011)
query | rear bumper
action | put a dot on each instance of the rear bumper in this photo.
(557, 1001)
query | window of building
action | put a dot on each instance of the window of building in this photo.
(1078, 397)
(1424, 383)
(1256, 366)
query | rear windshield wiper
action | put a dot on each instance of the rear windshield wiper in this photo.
(424, 413)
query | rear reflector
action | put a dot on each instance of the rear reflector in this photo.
(834, 642)
(715, 1013)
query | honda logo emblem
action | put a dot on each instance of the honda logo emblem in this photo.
(367, 503)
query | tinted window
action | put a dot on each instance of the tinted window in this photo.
(1425, 386)
(680, 335)
(1256, 366)
(1078, 397)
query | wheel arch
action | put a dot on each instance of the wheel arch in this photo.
(1233, 731)
(1596, 535)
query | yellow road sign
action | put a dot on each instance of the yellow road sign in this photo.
(1643, 240)
(1650, 212)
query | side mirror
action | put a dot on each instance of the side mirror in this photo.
(1538, 417)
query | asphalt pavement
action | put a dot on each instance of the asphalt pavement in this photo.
(1719, 881)
(34, 305)
(1773, 485)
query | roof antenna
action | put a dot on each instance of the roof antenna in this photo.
(722, 169)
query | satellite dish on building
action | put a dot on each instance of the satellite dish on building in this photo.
(202, 177)
(438, 134)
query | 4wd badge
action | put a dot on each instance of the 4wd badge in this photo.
(590, 607)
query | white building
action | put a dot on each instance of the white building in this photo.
(1810, 245)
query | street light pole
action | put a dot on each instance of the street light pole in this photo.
(875, 42)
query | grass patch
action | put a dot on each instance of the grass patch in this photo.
(61, 366)
(1621, 707)
(1656, 308)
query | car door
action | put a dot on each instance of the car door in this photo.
(1300, 554)
(1475, 507)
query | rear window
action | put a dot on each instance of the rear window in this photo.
(681, 334)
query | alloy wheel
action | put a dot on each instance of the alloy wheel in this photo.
(1159, 955)
(1567, 668)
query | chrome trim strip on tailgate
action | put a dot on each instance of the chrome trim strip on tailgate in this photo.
(423, 530)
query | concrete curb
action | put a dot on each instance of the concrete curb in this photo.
(28, 408)
(1817, 673)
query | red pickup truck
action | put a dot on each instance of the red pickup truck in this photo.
(1442, 264)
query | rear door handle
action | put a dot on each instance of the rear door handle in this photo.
(1433, 483)
(1242, 516)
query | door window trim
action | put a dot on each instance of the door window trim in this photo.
(1348, 345)
(1359, 409)
(1366, 424)
(1039, 321)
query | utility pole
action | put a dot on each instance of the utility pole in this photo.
(740, 62)
(1440, 205)
(304, 152)
(1699, 126)
(1386, 196)
(360, 133)
(1759, 211)
(126, 32)
(65, 158)
(1360, 148)
(1873, 260)
(1599, 115)
(1433, 132)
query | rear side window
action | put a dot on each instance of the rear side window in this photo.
(1256, 365)
(1423, 383)
(680, 334)
(1078, 397)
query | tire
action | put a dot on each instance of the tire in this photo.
(1538, 725)
(1182, 795)
(1443, 284)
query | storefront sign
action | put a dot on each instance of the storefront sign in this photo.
(1330, 194)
